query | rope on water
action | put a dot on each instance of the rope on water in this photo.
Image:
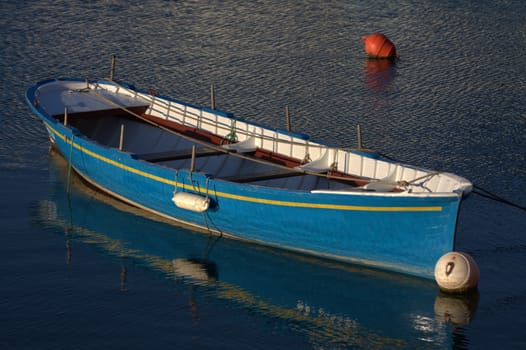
(487, 194)
(232, 138)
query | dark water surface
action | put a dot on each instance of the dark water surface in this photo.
(84, 272)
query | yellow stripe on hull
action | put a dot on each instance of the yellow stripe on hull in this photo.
(245, 198)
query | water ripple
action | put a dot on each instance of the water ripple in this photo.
(454, 100)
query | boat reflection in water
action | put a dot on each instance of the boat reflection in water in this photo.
(331, 304)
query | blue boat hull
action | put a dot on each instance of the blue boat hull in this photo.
(406, 234)
(343, 300)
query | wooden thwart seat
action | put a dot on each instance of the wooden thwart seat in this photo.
(267, 175)
(116, 112)
(177, 155)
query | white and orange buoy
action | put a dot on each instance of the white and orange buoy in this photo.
(457, 272)
(378, 45)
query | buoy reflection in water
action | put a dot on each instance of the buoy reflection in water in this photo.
(379, 73)
(457, 309)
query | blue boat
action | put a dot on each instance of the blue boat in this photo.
(333, 305)
(225, 175)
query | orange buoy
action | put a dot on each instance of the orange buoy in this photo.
(378, 46)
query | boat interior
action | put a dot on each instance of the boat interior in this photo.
(181, 147)
(179, 135)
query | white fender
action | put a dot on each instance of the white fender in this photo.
(190, 201)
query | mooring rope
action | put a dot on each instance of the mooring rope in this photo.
(405, 183)
(247, 133)
(349, 178)
(230, 152)
(487, 194)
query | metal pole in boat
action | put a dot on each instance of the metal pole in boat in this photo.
(112, 71)
(212, 97)
(69, 163)
(65, 116)
(287, 116)
(359, 136)
(121, 139)
(192, 162)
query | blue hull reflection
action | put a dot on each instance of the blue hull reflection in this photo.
(328, 303)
